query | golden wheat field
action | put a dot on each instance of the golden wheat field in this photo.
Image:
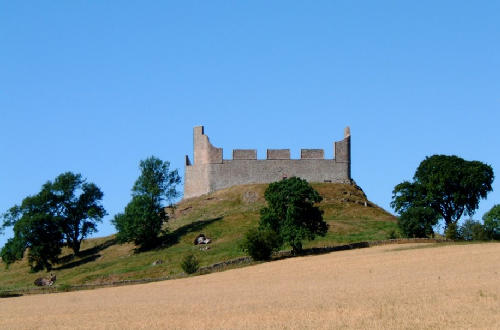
(395, 286)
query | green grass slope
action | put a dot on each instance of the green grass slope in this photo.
(223, 216)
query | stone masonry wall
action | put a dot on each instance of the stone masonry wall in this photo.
(209, 172)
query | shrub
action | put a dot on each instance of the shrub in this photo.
(417, 222)
(260, 243)
(451, 231)
(471, 230)
(392, 234)
(64, 287)
(492, 223)
(190, 264)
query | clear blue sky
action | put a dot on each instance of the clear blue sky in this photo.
(95, 86)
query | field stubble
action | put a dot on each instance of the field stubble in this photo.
(452, 286)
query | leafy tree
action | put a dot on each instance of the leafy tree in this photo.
(145, 214)
(450, 185)
(291, 212)
(12, 250)
(417, 221)
(260, 243)
(78, 204)
(64, 212)
(452, 231)
(35, 228)
(492, 223)
(471, 230)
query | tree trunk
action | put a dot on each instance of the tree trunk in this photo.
(76, 247)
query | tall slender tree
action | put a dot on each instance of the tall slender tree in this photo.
(144, 216)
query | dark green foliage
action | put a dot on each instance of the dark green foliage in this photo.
(417, 221)
(392, 234)
(291, 212)
(190, 264)
(12, 250)
(78, 205)
(471, 230)
(144, 216)
(68, 205)
(37, 228)
(141, 222)
(450, 185)
(261, 243)
(451, 232)
(492, 223)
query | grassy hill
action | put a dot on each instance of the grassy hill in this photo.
(223, 216)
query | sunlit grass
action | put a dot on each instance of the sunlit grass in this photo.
(224, 216)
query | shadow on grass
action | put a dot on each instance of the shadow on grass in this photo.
(169, 239)
(9, 295)
(86, 256)
(80, 262)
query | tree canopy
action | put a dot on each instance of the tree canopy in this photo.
(145, 214)
(449, 185)
(64, 212)
(36, 228)
(78, 203)
(417, 221)
(291, 213)
(491, 221)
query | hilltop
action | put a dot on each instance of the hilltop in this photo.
(224, 216)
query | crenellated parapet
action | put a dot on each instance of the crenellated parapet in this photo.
(209, 171)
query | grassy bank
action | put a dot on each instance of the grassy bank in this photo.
(224, 216)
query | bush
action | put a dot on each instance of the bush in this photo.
(417, 222)
(393, 234)
(471, 230)
(260, 243)
(190, 264)
(64, 287)
(451, 231)
(492, 223)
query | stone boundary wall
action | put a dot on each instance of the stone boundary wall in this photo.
(210, 172)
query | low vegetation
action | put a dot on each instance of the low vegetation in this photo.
(223, 216)
(190, 264)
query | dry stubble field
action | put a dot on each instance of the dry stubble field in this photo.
(395, 286)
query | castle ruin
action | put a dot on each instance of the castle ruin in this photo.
(210, 172)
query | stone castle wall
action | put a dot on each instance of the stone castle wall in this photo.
(210, 172)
